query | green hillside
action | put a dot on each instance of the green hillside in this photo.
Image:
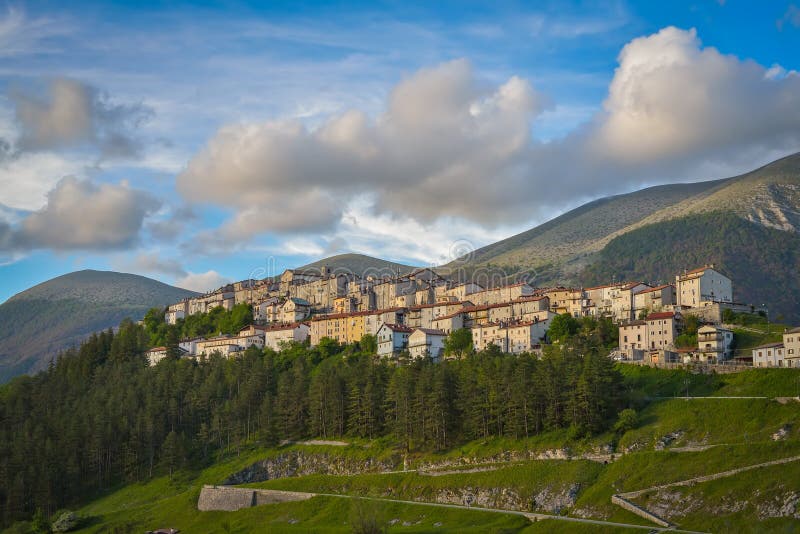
(762, 261)
(47, 318)
(359, 264)
(559, 250)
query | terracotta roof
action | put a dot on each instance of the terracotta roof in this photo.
(794, 331)
(157, 349)
(660, 315)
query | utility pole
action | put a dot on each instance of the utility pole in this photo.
(686, 383)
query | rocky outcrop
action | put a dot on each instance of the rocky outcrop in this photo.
(550, 499)
(299, 463)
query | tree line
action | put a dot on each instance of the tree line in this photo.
(99, 416)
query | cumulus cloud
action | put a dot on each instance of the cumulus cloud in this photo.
(82, 215)
(72, 113)
(672, 98)
(450, 147)
(443, 131)
(202, 282)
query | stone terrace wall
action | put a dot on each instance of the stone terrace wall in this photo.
(228, 499)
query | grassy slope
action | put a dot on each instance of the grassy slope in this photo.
(763, 262)
(558, 250)
(740, 428)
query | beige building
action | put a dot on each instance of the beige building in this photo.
(295, 310)
(177, 311)
(622, 307)
(223, 297)
(654, 299)
(662, 329)
(697, 287)
(502, 294)
(524, 336)
(485, 334)
(791, 342)
(633, 339)
(714, 344)
(449, 323)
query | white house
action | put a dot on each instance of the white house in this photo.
(426, 342)
(769, 355)
(277, 336)
(703, 286)
(156, 354)
(714, 343)
(190, 345)
(392, 338)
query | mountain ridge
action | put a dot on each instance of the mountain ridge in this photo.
(38, 323)
(558, 250)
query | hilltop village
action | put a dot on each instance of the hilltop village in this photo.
(415, 313)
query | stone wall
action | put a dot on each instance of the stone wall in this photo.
(229, 499)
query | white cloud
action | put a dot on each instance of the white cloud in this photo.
(442, 133)
(672, 98)
(72, 113)
(81, 215)
(451, 150)
(202, 282)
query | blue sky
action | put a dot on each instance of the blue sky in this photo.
(198, 143)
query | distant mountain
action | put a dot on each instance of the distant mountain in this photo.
(560, 249)
(359, 264)
(45, 319)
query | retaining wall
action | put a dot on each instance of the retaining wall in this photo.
(229, 499)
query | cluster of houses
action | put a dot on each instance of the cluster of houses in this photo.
(415, 312)
(782, 354)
